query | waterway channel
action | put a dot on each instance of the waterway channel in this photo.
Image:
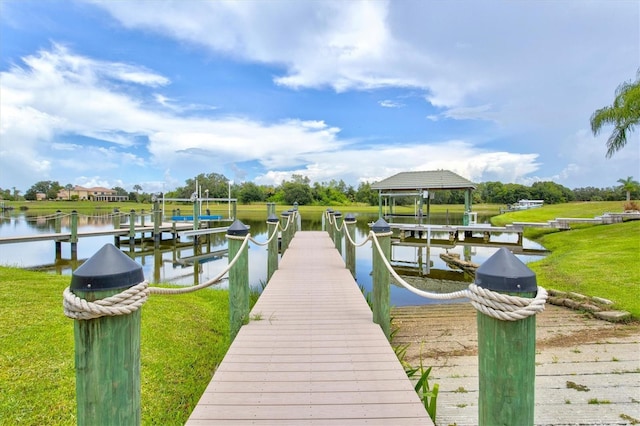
(170, 264)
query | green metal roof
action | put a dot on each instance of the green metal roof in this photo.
(428, 180)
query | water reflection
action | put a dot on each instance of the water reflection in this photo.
(181, 262)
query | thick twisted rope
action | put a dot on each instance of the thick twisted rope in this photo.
(184, 290)
(253, 240)
(124, 303)
(366, 240)
(288, 223)
(491, 303)
(133, 298)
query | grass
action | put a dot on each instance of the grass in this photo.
(595, 260)
(183, 338)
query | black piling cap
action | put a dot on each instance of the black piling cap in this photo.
(108, 269)
(329, 210)
(349, 217)
(238, 228)
(272, 218)
(337, 214)
(381, 226)
(285, 213)
(506, 273)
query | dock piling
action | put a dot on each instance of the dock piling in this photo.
(238, 279)
(506, 349)
(381, 280)
(337, 230)
(107, 348)
(350, 255)
(272, 249)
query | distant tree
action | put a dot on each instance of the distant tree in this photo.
(249, 192)
(364, 194)
(119, 190)
(297, 190)
(551, 192)
(628, 185)
(68, 187)
(47, 187)
(623, 114)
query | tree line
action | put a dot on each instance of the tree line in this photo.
(336, 192)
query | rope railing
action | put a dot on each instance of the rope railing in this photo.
(497, 305)
(134, 297)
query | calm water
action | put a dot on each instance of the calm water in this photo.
(165, 265)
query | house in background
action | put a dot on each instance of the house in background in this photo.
(91, 194)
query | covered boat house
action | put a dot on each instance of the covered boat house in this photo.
(422, 186)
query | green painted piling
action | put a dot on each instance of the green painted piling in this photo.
(58, 229)
(330, 223)
(381, 295)
(74, 227)
(157, 219)
(196, 215)
(272, 249)
(107, 349)
(284, 242)
(506, 349)
(74, 234)
(238, 280)
(350, 255)
(132, 224)
(337, 231)
(58, 222)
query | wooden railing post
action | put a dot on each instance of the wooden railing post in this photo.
(381, 296)
(272, 250)
(506, 349)
(329, 221)
(74, 235)
(350, 255)
(284, 242)
(58, 229)
(238, 279)
(132, 230)
(196, 213)
(157, 221)
(337, 236)
(107, 349)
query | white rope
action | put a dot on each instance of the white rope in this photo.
(124, 303)
(184, 290)
(366, 240)
(288, 223)
(133, 298)
(491, 303)
(253, 240)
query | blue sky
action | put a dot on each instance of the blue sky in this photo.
(152, 93)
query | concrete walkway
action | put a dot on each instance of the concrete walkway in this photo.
(587, 370)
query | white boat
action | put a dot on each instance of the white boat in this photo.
(526, 204)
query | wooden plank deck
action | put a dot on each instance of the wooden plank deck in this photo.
(65, 236)
(311, 354)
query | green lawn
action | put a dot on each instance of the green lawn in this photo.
(596, 260)
(183, 338)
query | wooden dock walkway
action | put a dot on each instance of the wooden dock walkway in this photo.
(66, 236)
(311, 353)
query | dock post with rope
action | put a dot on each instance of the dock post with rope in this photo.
(350, 248)
(381, 290)
(238, 278)
(506, 349)
(107, 342)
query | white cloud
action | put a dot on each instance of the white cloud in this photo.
(387, 103)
